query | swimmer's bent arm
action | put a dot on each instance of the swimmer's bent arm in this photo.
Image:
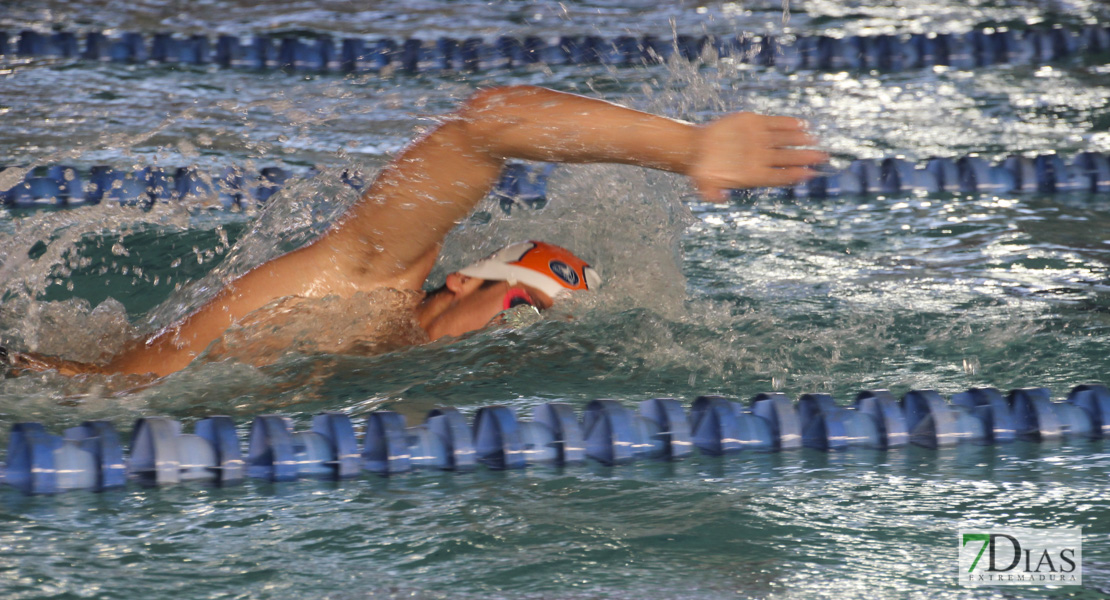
(391, 237)
(395, 231)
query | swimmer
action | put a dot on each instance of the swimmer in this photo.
(391, 237)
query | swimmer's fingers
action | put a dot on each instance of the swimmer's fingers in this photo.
(795, 157)
(790, 138)
(711, 193)
(788, 176)
(716, 190)
(778, 123)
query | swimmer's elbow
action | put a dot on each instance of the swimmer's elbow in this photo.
(490, 101)
(488, 113)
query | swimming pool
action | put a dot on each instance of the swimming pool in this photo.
(838, 295)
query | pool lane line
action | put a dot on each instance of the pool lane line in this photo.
(90, 456)
(524, 186)
(521, 186)
(981, 47)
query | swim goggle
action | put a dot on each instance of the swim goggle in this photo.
(518, 309)
(516, 297)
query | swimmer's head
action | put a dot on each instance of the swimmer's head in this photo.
(534, 273)
(552, 269)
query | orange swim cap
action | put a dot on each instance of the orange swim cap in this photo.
(551, 269)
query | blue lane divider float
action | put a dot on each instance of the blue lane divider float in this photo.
(278, 453)
(932, 422)
(161, 454)
(988, 405)
(721, 426)
(522, 186)
(827, 426)
(84, 457)
(90, 457)
(977, 48)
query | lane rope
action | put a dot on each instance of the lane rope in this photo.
(521, 186)
(524, 186)
(91, 457)
(980, 47)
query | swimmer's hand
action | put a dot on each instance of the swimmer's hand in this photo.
(746, 150)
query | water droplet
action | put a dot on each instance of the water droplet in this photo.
(971, 365)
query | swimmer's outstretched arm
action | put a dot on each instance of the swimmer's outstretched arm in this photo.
(391, 237)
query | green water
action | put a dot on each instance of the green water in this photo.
(943, 292)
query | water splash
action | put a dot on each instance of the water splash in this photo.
(299, 213)
(55, 244)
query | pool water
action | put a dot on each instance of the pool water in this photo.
(767, 293)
